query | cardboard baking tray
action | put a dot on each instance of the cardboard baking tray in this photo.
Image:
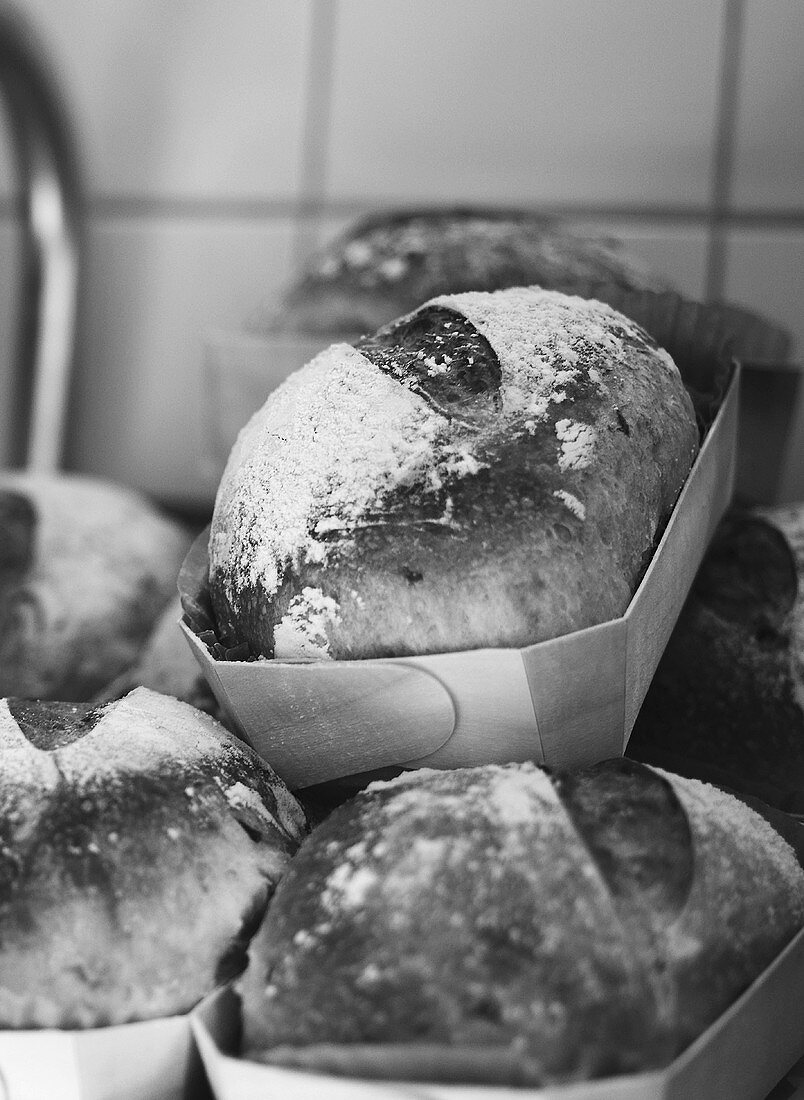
(149, 1060)
(569, 701)
(742, 1056)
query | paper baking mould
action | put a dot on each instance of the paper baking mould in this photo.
(742, 1056)
(568, 701)
(148, 1060)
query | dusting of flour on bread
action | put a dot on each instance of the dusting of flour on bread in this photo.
(301, 634)
(29, 774)
(577, 444)
(577, 507)
(344, 453)
(714, 813)
(514, 795)
(339, 435)
(541, 337)
(331, 441)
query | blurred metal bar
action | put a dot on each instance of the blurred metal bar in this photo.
(49, 197)
(315, 151)
(731, 56)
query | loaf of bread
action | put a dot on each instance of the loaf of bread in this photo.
(140, 844)
(788, 519)
(86, 568)
(387, 263)
(727, 701)
(491, 470)
(505, 925)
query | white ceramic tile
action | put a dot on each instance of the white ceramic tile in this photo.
(524, 101)
(677, 252)
(309, 234)
(769, 155)
(765, 271)
(182, 99)
(154, 290)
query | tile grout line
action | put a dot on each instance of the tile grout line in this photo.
(316, 124)
(199, 208)
(724, 144)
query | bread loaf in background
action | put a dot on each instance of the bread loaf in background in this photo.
(387, 263)
(491, 470)
(141, 843)
(86, 568)
(165, 663)
(505, 925)
(727, 701)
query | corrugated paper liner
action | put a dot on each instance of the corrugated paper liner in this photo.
(149, 1060)
(568, 701)
(742, 1056)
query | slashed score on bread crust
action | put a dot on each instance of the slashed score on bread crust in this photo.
(491, 470)
(507, 925)
(139, 846)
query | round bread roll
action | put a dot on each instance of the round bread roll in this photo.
(501, 924)
(727, 701)
(141, 843)
(491, 470)
(86, 567)
(788, 519)
(389, 262)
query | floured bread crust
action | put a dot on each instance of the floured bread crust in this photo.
(397, 498)
(566, 927)
(91, 567)
(389, 263)
(139, 845)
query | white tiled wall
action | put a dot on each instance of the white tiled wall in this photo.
(769, 163)
(206, 126)
(183, 99)
(547, 101)
(159, 285)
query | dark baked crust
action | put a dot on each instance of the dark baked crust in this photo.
(18, 525)
(390, 262)
(585, 925)
(139, 845)
(462, 493)
(85, 570)
(727, 701)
